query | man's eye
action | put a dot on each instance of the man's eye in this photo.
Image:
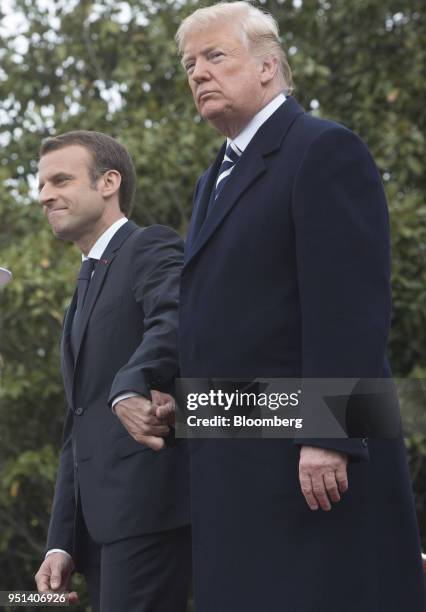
(216, 55)
(189, 68)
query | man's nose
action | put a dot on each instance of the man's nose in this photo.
(200, 71)
(46, 195)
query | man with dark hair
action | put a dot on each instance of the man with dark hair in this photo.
(120, 511)
(106, 153)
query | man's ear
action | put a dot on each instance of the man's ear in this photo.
(110, 183)
(268, 68)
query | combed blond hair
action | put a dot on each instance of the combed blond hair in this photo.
(259, 31)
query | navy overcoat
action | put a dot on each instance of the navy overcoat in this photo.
(289, 276)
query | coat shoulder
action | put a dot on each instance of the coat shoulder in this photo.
(154, 234)
(314, 137)
(314, 127)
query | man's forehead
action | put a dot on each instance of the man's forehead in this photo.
(218, 34)
(72, 157)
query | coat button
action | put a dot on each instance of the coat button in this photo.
(79, 411)
(364, 442)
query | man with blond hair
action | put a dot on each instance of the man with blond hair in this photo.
(287, 275)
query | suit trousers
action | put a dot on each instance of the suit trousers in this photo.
(146, 573)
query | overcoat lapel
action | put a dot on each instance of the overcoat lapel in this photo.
(97, 282)
(252, 164)
(244, 174)
(202, 199)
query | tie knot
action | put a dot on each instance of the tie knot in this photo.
(86, 269)
(232, 153)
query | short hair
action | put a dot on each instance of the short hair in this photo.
(259, 30)
(106, 153)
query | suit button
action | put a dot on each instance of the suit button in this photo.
(79, 411)
(364, 442)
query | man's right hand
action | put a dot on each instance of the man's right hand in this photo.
(138, 415)
(54, 574)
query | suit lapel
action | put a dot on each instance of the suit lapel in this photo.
(98, 280)
(67, 358)
(266, 141)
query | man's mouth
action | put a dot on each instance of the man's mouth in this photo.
(54, 210)
(205, 93)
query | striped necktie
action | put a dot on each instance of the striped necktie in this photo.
(232, 155)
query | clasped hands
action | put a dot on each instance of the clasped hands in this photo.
(148, 421)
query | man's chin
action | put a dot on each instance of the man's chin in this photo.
(217, 116)
(217, 120)
(211, 111)
(61, 232)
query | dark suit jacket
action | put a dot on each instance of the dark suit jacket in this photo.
(289, 276)
(128, 343)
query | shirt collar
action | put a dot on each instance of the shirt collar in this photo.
(244, 137)
(102, 242)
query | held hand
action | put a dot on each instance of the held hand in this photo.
(165, 407)
(138, 416)
(322, 475)
(54, 574)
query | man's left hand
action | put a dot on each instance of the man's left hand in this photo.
(323, 476)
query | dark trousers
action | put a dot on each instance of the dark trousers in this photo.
(147, 573)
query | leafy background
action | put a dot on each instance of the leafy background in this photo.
(112, 66)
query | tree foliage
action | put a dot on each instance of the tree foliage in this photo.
(113, 67)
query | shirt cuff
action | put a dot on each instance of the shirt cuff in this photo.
(122, 397)
(53, 550)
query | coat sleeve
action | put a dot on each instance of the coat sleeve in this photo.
(62, 521)
(156, 268)
(343, 260)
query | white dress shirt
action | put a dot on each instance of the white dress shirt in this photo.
(103, 241)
